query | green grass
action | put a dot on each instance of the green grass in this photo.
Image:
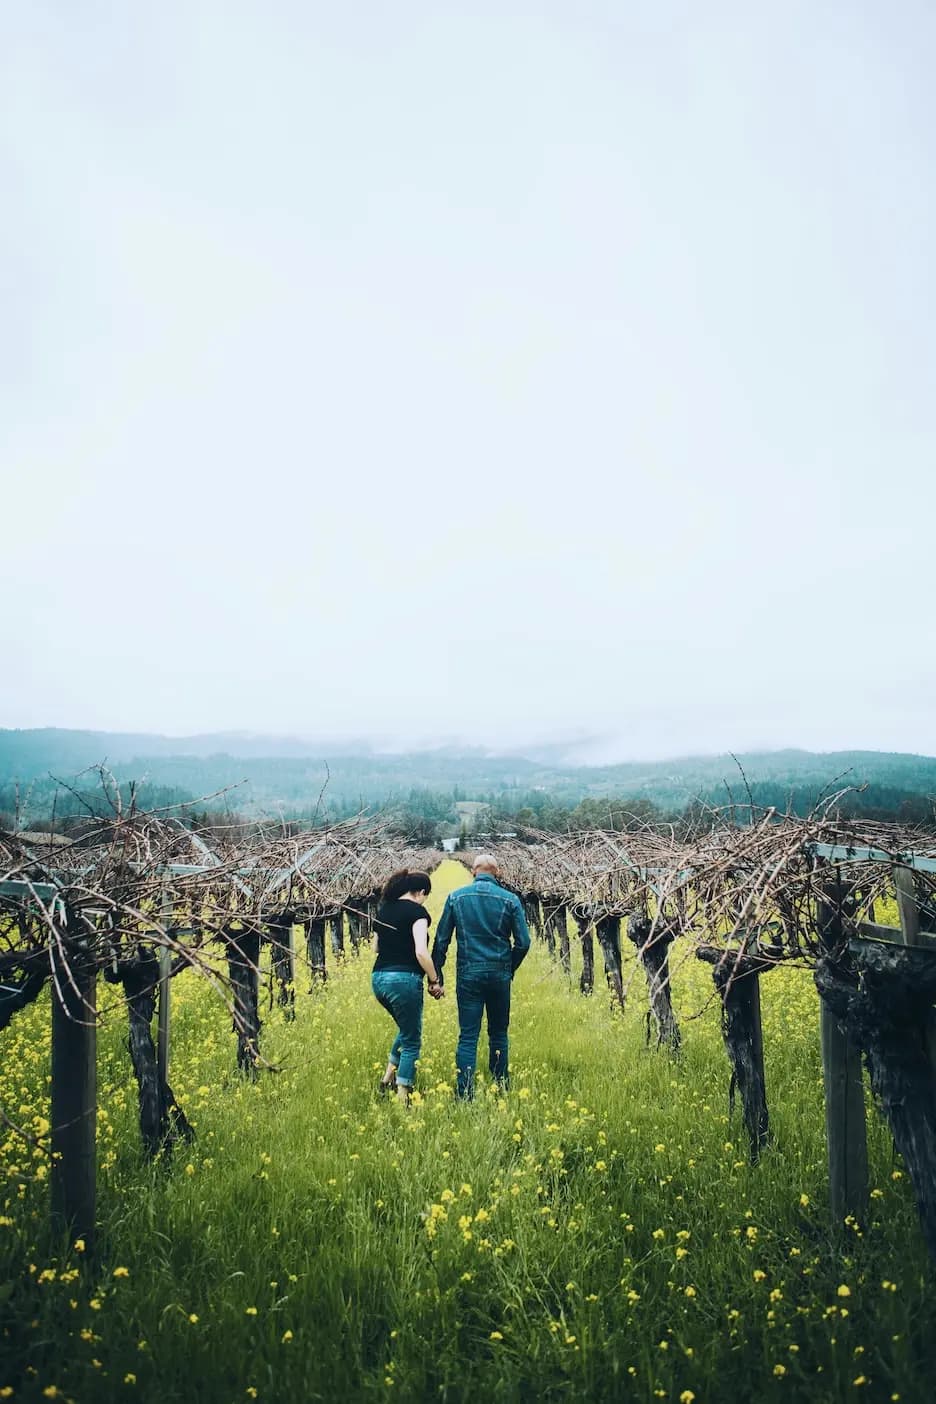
(595, 1234)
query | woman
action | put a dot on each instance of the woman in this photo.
(402, 960)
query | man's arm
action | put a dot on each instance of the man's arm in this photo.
(521, 936)
(443, 937)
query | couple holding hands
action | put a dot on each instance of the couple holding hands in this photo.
(492, 938)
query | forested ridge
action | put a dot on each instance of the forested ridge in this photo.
(41, 774)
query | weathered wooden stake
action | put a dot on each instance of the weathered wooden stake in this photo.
(164, 1009)
(907, 905)
(887, 1007)
(74, 1098)
(912, 903)
(164, 1018)
(845, 1120)
(846, 1132)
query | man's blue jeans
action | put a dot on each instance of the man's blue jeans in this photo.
(401, 994)
(479, 991)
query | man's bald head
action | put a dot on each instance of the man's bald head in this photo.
(485, 863)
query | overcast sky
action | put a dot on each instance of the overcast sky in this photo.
(489, 369)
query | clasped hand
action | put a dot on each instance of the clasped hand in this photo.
(436, 989)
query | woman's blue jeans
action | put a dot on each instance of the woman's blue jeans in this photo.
(478, 992)
(401, 994)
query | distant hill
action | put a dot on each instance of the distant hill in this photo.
(288, 774)
(31, 751)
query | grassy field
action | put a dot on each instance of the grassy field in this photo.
(594, 1234)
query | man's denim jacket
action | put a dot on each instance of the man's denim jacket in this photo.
(492, 931)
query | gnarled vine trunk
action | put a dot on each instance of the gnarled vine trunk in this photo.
(17, 995)
(357, 923)
(243, 956)
(586, 931)
(283, 961)
(737, 979)
(608, 930)
(315, 949)
(163, 1123)
(533, 912)
(653, 954)
(885, 1002)
(556, 930)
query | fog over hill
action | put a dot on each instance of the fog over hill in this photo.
(297, 777)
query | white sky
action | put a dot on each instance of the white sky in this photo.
(484, 369)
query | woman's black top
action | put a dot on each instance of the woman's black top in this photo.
(396, 949)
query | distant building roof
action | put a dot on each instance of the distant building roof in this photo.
(32, 839)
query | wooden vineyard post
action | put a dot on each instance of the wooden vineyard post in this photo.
(907, 905)
(74, 1096)
(882, 992)
(846, 1128)
(846, 1132)
(164, 1015)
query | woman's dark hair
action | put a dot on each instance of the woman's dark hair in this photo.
(405, 881)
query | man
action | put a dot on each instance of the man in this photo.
(493, 939)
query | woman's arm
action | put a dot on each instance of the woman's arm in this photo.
(421, 942)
